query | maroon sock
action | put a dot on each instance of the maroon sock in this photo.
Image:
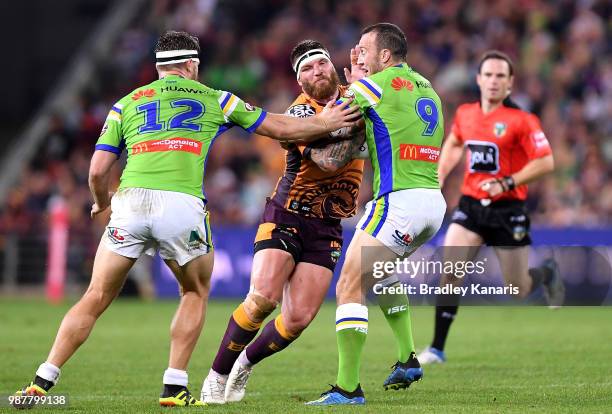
(240, 331)
(274, 338)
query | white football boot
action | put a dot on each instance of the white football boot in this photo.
(213, 389)
(236, 381)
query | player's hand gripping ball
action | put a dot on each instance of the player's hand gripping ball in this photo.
(344, 132)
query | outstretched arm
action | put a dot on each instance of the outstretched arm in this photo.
(291, 129)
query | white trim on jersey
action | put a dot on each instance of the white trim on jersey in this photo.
(228, 102)
(368, 89)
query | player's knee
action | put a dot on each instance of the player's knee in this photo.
(193, 276)
(347, 285)
(342, 284)
(258, 307)
(198, 286)
(193, 289)
(296, 322)
(97, 299)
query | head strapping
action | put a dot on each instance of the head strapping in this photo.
(308, 57)
(168, 57)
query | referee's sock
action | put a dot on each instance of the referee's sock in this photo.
(539, 276)
(445, 315)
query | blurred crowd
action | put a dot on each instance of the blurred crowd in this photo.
(563, 71)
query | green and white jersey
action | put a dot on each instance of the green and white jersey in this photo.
(168, 128)
(404, 128)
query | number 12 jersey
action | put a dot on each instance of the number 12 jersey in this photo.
(168, 128)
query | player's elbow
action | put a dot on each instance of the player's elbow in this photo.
(97, 176)
(97, 172)
(95, 180)
(100, 165)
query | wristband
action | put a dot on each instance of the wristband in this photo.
(507, 183)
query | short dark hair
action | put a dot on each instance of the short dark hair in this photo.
(303, 47)
(172, 40)
(496, 54)
(391, 37)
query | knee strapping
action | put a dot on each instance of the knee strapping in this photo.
(258, 307)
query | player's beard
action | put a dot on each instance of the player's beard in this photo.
(322, 91)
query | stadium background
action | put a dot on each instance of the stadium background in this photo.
(68, 61)
(60, 94)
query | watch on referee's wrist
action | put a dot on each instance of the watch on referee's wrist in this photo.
(508, 183)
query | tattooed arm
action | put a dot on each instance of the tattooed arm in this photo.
(336, 155)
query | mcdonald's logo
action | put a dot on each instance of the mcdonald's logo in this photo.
(415, 152)
(409, 152)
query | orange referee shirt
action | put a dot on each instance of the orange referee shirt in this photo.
(498, 144)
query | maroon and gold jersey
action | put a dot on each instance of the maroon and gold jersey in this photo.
(306, 189)
(499, 143)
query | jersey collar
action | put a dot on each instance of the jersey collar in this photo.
(172, 75)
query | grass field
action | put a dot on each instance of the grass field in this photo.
(519, 359)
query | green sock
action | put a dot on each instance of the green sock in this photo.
(351, 332)
(397, 313)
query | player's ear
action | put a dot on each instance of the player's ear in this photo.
(385, 55)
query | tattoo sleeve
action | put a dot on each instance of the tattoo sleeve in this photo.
(337, 154)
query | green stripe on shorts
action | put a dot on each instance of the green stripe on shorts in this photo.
(377, 216)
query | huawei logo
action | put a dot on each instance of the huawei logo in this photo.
(399, 83)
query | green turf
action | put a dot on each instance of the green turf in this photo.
(519, 359)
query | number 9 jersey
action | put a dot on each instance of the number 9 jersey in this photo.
(168, 128)
(404, 128)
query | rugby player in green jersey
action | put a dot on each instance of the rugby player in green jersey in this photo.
(404, 130)
(167, 128)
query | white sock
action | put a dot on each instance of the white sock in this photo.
(242, 358)
(175, 377)
(49, 372)
(352, 316)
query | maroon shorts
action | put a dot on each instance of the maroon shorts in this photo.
(308, 239)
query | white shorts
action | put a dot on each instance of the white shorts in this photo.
(404, 220)
(144, 220)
